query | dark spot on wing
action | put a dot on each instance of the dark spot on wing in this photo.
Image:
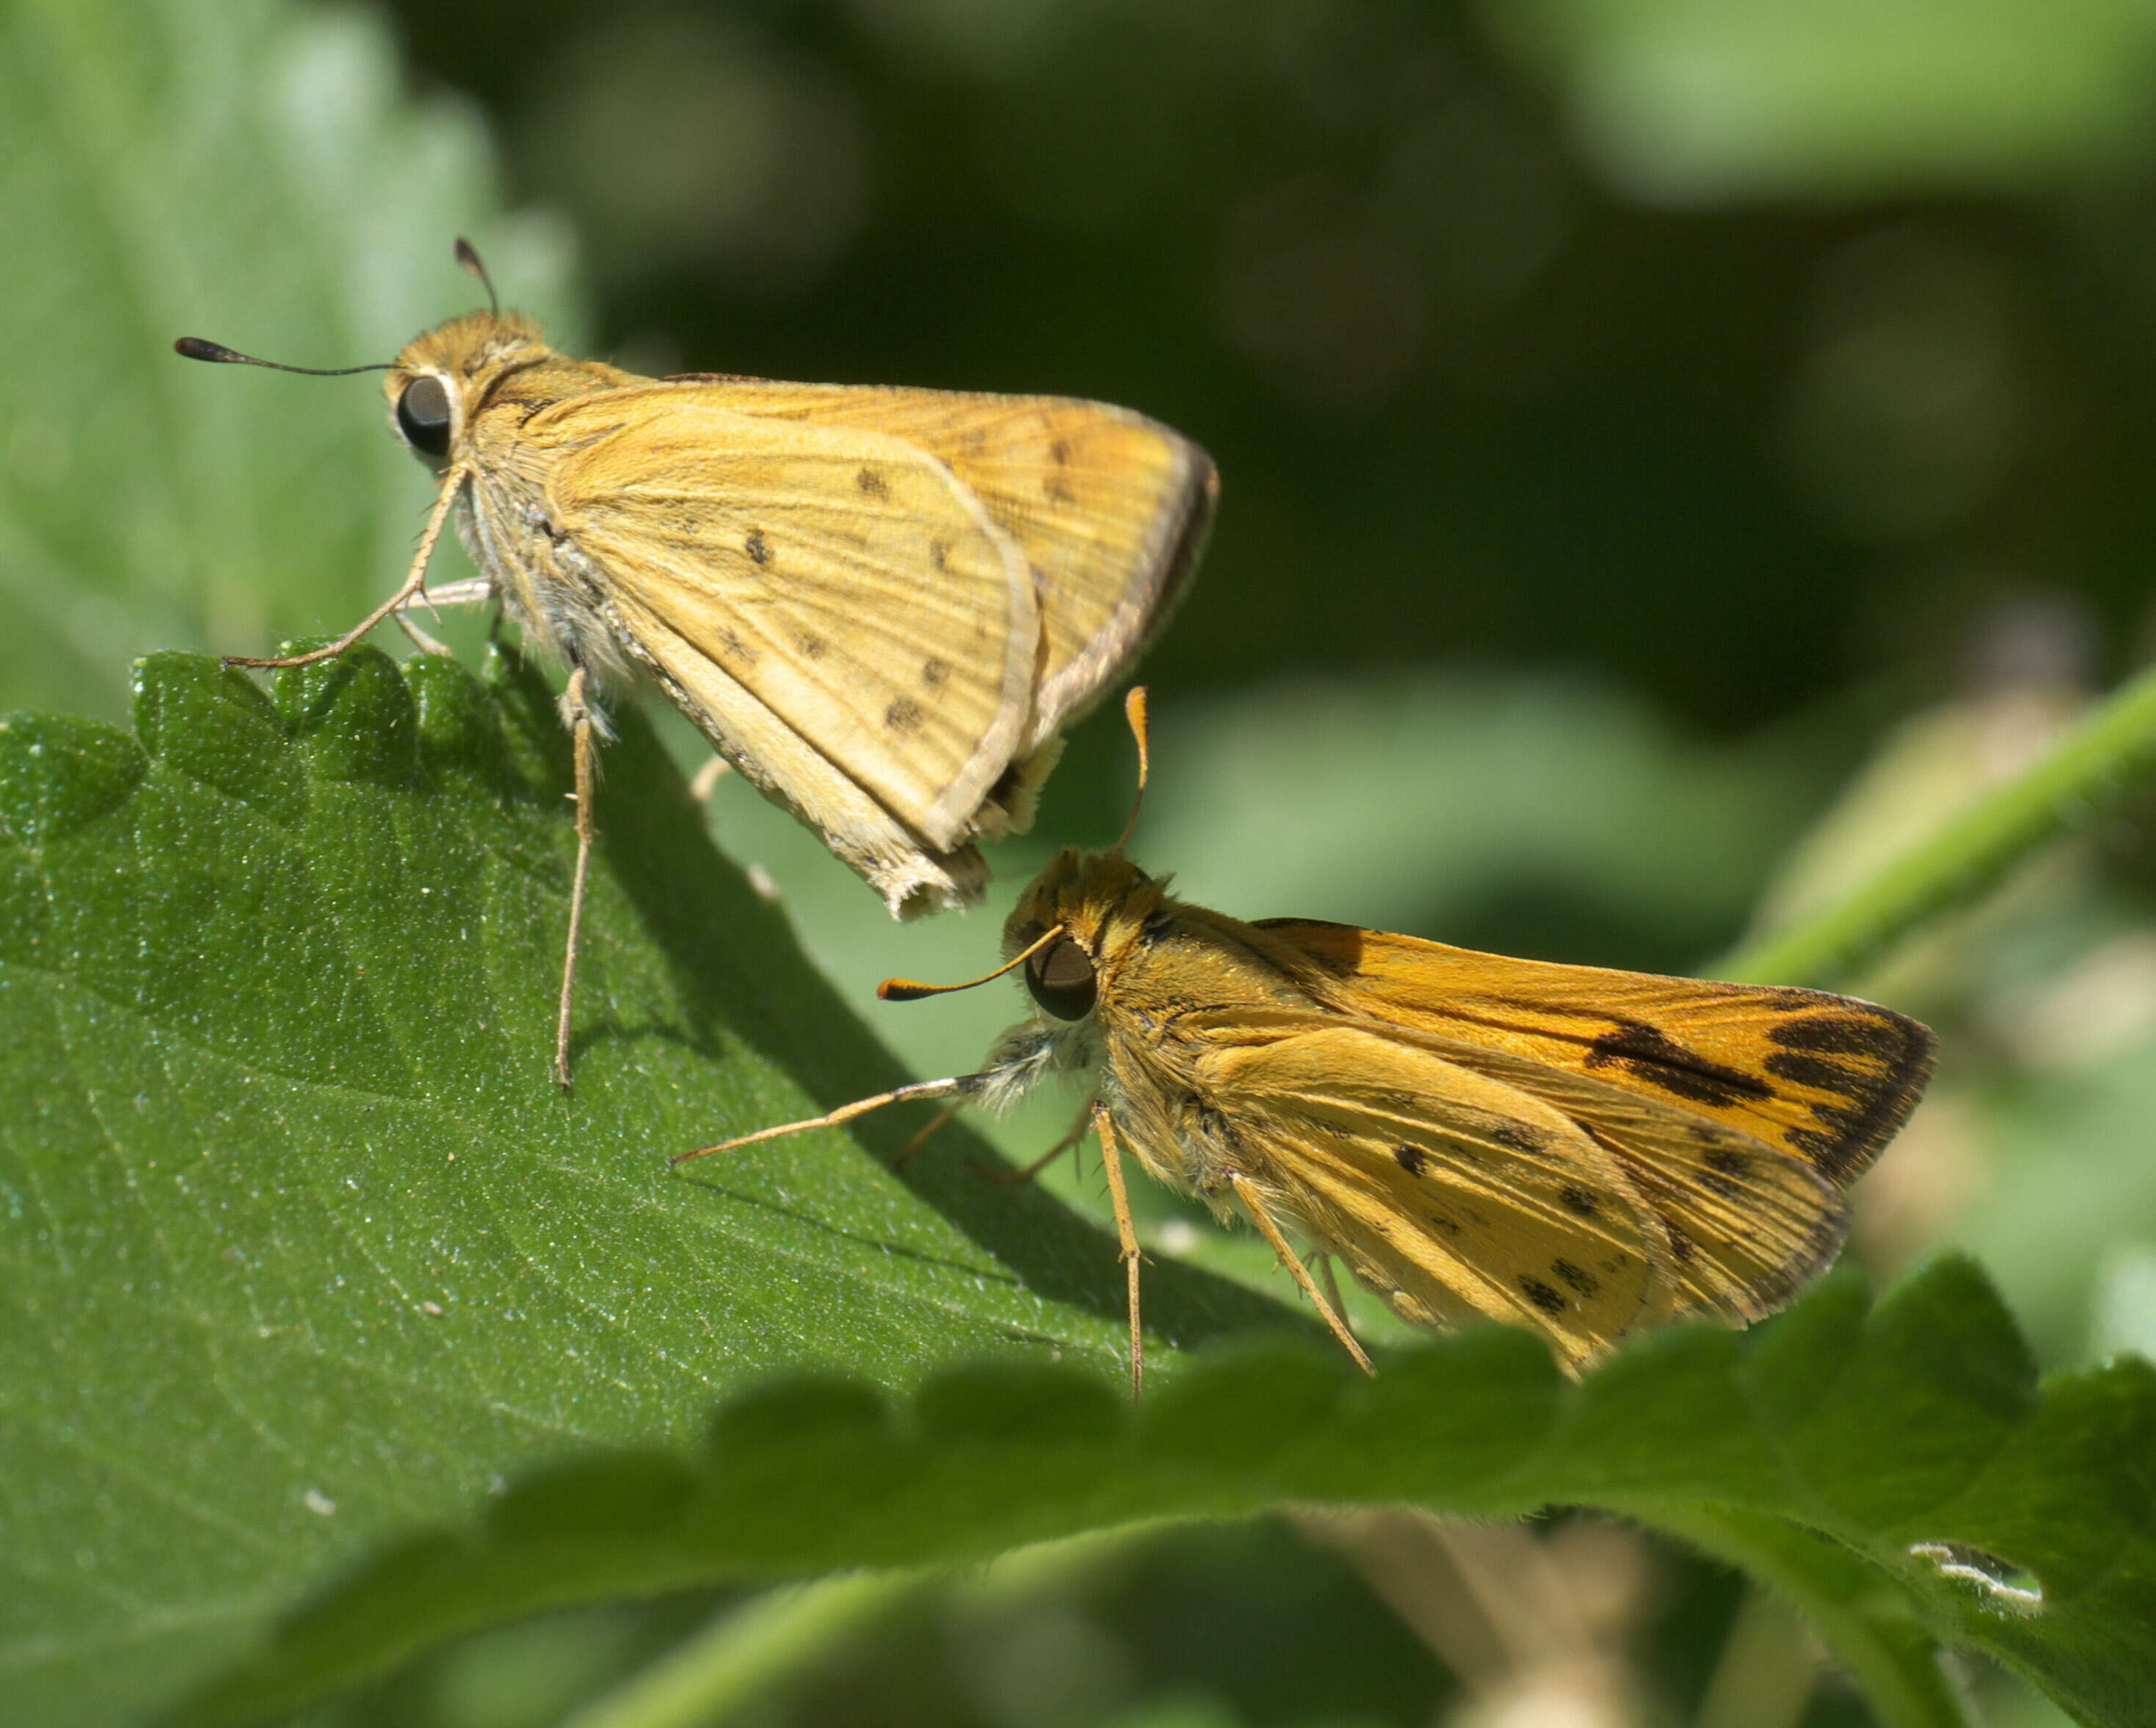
(1542, 1295)
(1450, 1227)
(939, 554)
(735, 646)
(1723, 1166)
(1413, 1159)
(1864, 1110)
(935, 674)
(1681, 1244)
(903, 715)
(1583, 1200)
(813, 647)
(1648, 1055)
(1843, 1034)
(1337, 948)
(867, 480)
(1819, 1073)
(1578, 1277)
(1720, 1185)
(1518, 1137)
(757, 546)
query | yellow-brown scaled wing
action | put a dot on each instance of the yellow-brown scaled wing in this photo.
(845, 580)
(1824, 1078)
(1736, 1113)
(1109, 507)
(1448, 1192)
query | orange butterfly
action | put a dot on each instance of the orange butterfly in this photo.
(1577, 1152)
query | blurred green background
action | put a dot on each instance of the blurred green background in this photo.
(1672, 451)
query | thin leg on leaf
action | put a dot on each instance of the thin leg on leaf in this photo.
(415, 582)
(1127, 1238)
(1071, 1135)
(576, 705)
(958, 1087)
(1246, 1192)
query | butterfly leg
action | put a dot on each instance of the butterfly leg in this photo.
(414, 583)
(472, 591)
(941, 1119)
(576, 707)
(1246, 1192)
(1331, 1280)
(708, 778)
(475, 590)
(1071, 1136)
(1127, 1238)
(962, 1086)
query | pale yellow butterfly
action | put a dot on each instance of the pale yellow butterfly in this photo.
(881, 605)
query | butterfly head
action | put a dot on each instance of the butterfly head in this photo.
(439, 381)
(1101, 903)
(1075, 923)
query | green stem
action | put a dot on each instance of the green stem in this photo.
(2091, 771)
(748, 1651)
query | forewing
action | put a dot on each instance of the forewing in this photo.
(1448, 1192)
(1736, 1113)
(1824, 1078)
(1109, 507)
(845, 579)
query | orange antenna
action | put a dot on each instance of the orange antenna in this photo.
(1134, 711)
(906, 990)
(468, 256)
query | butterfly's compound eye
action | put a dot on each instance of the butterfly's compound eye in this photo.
(1062, 980)
(423, 416)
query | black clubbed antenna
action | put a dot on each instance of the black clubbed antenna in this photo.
(195, 348)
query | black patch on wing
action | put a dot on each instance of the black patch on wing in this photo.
(1873, 1063)
(1579, 1278)
(1338, 950)
(1650, 1056)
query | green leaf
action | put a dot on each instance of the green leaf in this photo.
(251, 172)
(304, 1248)
(307, 1257)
